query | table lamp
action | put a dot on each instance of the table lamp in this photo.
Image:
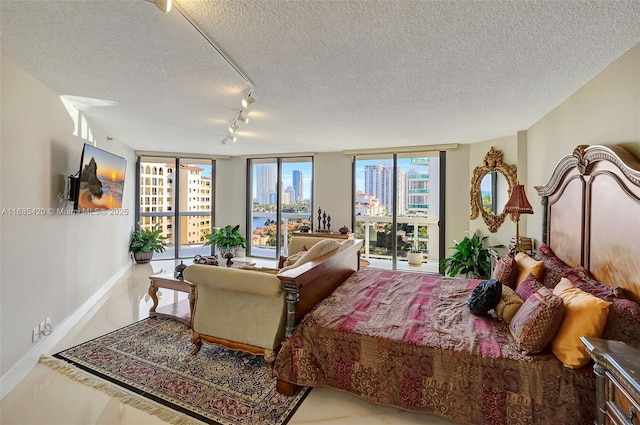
(518, 204)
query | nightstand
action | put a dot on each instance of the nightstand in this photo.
(617, 368)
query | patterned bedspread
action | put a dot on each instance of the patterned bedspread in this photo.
(409, 340)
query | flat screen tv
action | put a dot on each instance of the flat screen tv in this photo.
(100, 182)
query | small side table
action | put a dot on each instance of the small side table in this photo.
(181, 310)
(617, 369)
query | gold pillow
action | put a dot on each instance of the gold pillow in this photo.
(584, 315)
(528, 265)
(509, 304)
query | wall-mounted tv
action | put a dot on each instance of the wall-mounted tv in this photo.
(101, 180)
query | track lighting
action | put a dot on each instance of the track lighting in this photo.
(233, 139)
(233, 128)
(164, 5)
(247, 101)
(243, 118)
(224, 141)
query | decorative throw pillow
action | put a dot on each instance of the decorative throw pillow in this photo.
(506, 271)
(485, 297)
(321, 248)
(554, 268)
(287, 261)
(584, 315)
(536, 322)
(526, 266)
(509, 304)
(528, 286)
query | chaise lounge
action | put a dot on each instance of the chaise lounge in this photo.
(252, 308)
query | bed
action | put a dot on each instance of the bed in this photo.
(409, 340)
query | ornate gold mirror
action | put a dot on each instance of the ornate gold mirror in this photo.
(483, 188)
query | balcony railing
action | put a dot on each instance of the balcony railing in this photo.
(431, 240)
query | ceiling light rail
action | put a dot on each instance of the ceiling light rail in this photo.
(165, 6)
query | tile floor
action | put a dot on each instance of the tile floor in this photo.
(46, 397)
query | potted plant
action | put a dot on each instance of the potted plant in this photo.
(470, 258)
(226, 239)
(414, 257)
(145, 242)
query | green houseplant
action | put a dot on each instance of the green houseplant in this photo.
(470, 258)
(227, 239)
(144, 243)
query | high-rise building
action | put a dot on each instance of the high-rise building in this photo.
(157, 194)
(378, 181)
(298, 181)
(265, 179)
(289, 195)
(422, 195)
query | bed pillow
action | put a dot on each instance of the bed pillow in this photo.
(506, 271)
(485, 297)
(535, 324)
(526, 266)
(554, 268)
(528, 286)
(623, 322)
(584, 315)
(509, 304)
(582, 279)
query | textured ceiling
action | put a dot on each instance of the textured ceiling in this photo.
(328, 75)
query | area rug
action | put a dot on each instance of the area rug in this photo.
(152, 359)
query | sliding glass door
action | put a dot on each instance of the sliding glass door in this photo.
(176, 196)
(280, 199)
(397, 208)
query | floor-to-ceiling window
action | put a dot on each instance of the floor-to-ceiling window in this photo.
(397, 207)
(177, 195)
(280, 192)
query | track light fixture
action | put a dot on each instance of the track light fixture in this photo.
(224, 141)
(243, 118)
(247, 101)
(164, 5)
(233, 128)
(233, 139)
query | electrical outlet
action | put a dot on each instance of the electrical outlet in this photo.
(35, 334)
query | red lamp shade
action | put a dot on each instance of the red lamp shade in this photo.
(518, 202)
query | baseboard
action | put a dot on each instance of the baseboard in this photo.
(21, 369)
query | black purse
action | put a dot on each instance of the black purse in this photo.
(485, 296)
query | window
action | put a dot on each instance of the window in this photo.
(176, 218)
(397, 207)
(280, 192)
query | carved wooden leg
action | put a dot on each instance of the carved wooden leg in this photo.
(286, 388)
(154, 296)
(600, 397)
(293, 296)
(195, 337)
(270, 358)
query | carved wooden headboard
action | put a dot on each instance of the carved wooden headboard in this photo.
(592, 214)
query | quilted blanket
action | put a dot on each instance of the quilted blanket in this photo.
(409, 340)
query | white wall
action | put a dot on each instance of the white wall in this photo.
(606, 111)
(332, 188)
(49, 264)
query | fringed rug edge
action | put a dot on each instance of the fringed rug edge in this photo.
(115, 391)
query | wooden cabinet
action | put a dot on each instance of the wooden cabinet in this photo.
(617, 368)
